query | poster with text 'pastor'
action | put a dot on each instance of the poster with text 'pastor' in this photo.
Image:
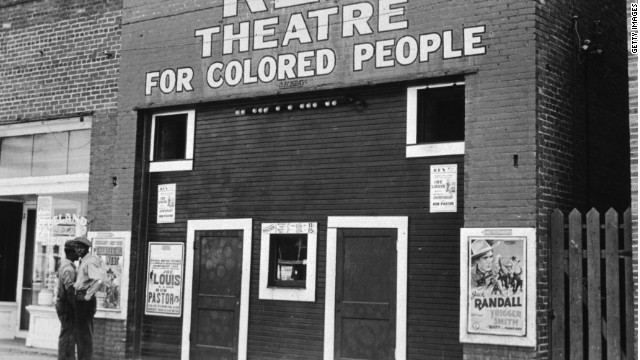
(166, 204)
(165, 279)
(443, 188)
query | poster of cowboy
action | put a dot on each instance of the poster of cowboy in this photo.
(497, 289)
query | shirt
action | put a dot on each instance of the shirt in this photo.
(89, 272)
(66, 278)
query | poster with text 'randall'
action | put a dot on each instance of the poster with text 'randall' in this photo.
(498, 287)
(442, 196)
(165, 279)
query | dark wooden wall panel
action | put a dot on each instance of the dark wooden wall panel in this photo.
(304, 166)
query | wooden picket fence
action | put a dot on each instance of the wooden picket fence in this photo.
(592, 287)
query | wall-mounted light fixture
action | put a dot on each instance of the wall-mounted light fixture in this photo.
(307, 105)
(592, 43)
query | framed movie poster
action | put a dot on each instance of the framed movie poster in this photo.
(112, 247)
(498, 287)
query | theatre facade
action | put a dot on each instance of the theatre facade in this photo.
(311, 179)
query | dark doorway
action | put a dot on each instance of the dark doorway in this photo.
(10, 225)
(217, 279)
(366, 294)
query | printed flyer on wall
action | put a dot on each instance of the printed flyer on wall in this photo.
(497, 285)
(165, 279)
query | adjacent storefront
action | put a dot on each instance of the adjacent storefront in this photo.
(44, 172)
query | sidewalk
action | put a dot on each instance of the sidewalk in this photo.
(16, 349)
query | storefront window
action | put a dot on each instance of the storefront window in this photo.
(59, 218)
(45, 154)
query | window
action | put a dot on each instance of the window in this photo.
(435, 120)
(45, 154)
(172, 141)
(288, 261)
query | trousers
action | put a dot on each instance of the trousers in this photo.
(85, 310)
(67, 338)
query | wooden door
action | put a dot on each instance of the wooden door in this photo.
(365, 294)
(217, 279)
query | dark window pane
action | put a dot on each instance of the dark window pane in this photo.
(441, 114)
(170, 137)
(288, 260)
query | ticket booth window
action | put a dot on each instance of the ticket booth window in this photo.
(288, 260)
(172, 137)
(288, 254)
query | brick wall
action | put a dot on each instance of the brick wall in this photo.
(53, 67)
(582, 122)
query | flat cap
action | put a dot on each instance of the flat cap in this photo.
(81, 240)
(70, 244)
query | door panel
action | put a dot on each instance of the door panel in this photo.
(216, 294)
(365, 293)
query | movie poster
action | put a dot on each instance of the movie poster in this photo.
(497, 274)
(111, 251)
(165, 279)
(112, 247)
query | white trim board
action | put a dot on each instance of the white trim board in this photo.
(218, 224)
(333, 224)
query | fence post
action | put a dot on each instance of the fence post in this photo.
(557, 285)
(629, 288)
(576, 324)
(594, 301)
(613, 292)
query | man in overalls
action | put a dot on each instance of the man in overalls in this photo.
(90, 277)
(65, 303)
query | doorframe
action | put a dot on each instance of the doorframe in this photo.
(26, 206)
(246, 225)
(401, 223)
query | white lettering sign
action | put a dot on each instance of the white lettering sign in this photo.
(298, 35)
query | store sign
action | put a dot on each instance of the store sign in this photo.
(113, 249)
(295, 41)
(498, 285)
(166, 204)
(165, 279)
(443, 188)
(57, 229)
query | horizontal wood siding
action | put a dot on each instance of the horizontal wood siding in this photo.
(306, 165)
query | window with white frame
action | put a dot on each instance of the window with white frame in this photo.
(288, 261)
(172, 135)
(435, 119)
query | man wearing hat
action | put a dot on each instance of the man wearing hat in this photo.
(90, 277)
(65, 303)
(482, 266)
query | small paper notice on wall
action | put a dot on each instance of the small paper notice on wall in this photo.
(166, 203)
(443, 193)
